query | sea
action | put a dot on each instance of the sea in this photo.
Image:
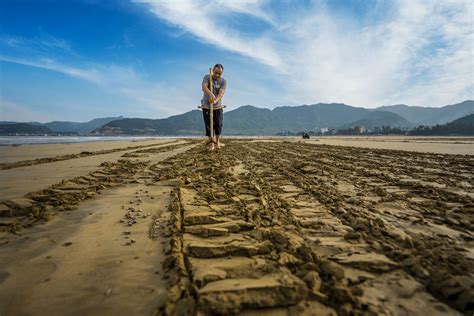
(28, 140)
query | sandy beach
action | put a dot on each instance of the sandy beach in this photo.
(282, 226)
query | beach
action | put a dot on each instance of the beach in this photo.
(278, 225)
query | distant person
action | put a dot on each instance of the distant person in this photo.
(213, 97)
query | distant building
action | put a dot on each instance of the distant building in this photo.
(324, 130)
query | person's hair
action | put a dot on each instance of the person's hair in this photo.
(219, 66)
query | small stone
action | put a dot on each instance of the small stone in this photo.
(108, 292)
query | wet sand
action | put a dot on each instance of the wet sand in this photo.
(276, 226)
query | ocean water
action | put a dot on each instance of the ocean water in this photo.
(24, 140)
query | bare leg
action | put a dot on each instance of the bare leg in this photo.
(210, 143)
(219, 144)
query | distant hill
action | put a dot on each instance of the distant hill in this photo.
(429, 115)
(82, 128)
(10, 129)
(189, 123)
(461, 127)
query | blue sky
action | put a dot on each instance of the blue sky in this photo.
(81, 59)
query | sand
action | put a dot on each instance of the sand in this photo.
(277, 226)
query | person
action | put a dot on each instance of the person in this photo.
(214, 97)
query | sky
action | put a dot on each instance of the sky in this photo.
(77, 60)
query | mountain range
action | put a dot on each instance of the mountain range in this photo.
(65, 126)
(250, 120)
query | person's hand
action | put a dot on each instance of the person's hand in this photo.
(212, 100)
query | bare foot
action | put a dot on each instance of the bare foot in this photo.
(220, 145)
(211, 147)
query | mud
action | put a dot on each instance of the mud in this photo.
(40, 206)
(37, 161)
(294, 228)
(328, 230)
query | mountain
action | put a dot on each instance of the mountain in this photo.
(461, 127)
(188, 123)
(379, 119)
(250, 120)
(10, 129)
(431, 116)
(82, 128)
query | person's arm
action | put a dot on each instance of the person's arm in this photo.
(205, 89)
(221, 92)
(220, 95)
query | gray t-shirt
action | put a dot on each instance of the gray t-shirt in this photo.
(217, 85)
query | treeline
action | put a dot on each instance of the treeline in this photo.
(460, 127)
(463, 126)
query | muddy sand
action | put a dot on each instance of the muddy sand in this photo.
(261, 227)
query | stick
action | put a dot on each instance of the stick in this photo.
(216, 108)
(211, 107)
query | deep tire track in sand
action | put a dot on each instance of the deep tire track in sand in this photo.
(317, 229)
(67, 194)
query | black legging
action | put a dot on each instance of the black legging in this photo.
(218, 118)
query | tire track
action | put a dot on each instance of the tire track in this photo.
(249, 230)
(24, 163)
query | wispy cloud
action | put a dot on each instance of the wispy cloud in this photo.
(12, 111)
(150, 98)
(89, 74)
(206, 21)
(419, 52)
(44, 43)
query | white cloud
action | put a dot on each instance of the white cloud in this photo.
(323, 56)
(43, 43)
(206, 21)
(149, 98)
(91, 74)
